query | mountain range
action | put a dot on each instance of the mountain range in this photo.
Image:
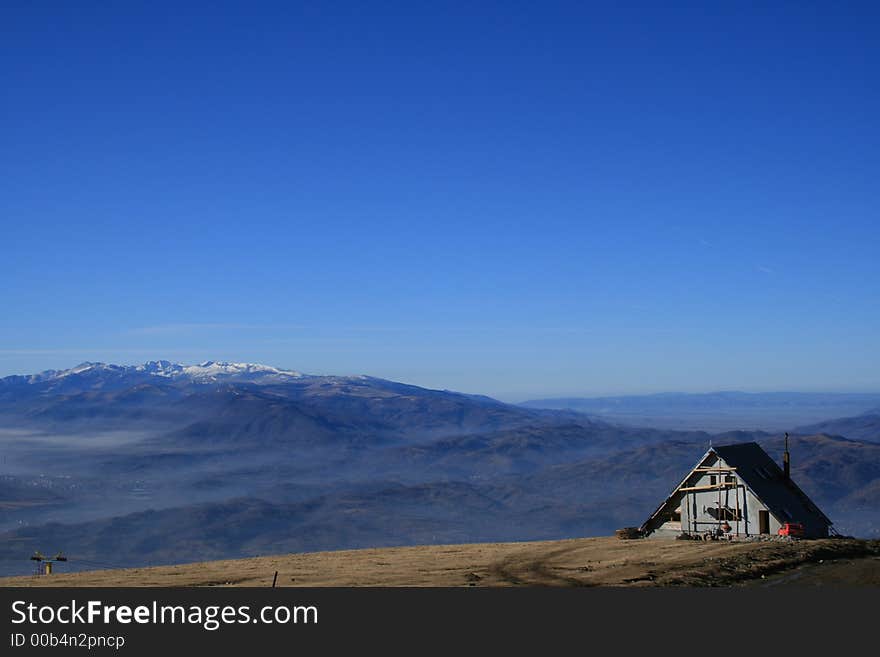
(166, 463)
(718, 411)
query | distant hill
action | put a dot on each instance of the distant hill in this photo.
(159, 393)
(861, 427)
(717, 411)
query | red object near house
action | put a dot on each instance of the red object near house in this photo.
(791, 529)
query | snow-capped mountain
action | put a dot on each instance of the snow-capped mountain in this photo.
(211, 371)
(205, 372)
(242, 402)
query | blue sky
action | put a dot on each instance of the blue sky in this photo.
(518, 199)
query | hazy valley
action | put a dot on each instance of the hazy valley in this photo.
(162, 463)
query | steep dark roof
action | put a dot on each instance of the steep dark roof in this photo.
(767, 480)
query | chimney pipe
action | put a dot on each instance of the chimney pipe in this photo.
(786, 459)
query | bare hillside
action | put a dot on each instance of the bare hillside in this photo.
(576, 562)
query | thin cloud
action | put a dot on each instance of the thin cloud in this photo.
(184, 328)
(40, 352)
(512, 329)
(85, 353)
(180, 329)
(765, 270)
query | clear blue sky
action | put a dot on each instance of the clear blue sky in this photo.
(519, 199)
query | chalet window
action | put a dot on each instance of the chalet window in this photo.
(712, 480)
(728, 479)
(724, 513)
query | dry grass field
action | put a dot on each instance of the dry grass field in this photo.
(576, 562)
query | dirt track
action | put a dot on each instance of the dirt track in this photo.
(576, 562)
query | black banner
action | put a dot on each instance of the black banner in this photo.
(259, 621)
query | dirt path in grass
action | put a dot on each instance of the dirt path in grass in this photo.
(603, 561)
